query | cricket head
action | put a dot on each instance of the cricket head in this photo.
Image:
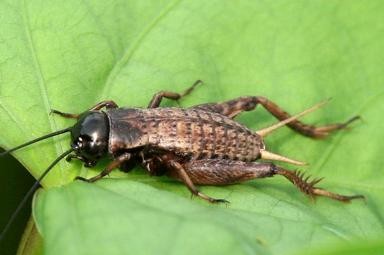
(90, 136)
(89, 143)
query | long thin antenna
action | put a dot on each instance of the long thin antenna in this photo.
(59, 132)
(30, 192)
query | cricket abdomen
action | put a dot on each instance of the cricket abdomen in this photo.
(186, 132)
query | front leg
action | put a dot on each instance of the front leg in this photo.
(156, 100)
(114, 164)
(108, 104)
(87, 163)
(66, 114)
(223, 172)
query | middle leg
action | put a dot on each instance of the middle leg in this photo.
(177, 171)
(156, 100)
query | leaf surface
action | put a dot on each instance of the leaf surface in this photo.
(70, 55)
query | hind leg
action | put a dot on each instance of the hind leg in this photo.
(233, 107)
(223, 171)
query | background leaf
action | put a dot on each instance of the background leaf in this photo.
(70, 55)
(15, 181)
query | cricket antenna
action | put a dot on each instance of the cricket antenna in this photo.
(59, 132)
(33, 188)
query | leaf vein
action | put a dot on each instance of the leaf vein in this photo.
(40, 77)
(131, 50)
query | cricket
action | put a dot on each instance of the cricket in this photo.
(198, 145)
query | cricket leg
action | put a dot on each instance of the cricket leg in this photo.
(109, 104)
(156, 100)
(226, 171)
(114, 164)
(309, 188)
(233, 107)
(66, 114)
(223, 172)
(87, 163)
(229, 108)
(177, 171)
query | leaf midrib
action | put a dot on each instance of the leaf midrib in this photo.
(122, 62)
(41, 81)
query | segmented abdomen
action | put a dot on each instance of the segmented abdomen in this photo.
(189, 132)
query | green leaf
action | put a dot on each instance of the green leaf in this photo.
(132, 216)
(70, 55)
(371, 247)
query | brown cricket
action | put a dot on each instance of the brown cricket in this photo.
(202, 144)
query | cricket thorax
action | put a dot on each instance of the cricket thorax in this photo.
(187, 132)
